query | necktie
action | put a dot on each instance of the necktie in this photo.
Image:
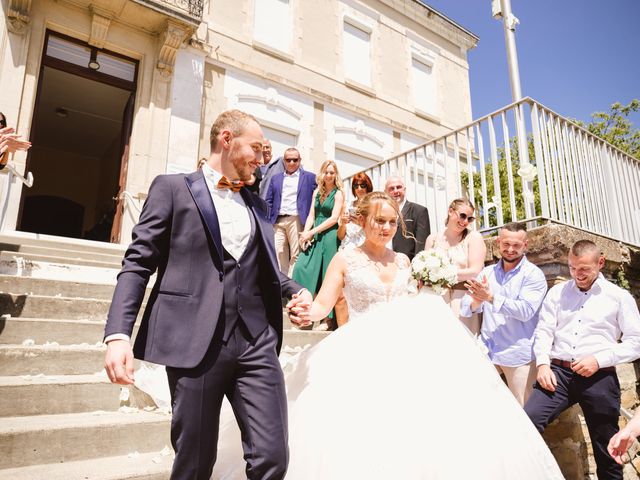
(234, 186)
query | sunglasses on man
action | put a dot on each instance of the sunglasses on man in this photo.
(292, 160)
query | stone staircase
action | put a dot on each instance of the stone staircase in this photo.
(60, 418)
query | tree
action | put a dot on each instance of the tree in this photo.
(616, 128)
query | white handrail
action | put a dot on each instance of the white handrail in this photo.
(564, 173)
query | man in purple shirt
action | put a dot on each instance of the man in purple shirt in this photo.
(509, 294)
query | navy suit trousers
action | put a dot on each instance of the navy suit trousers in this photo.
(247, 371)
(599, 398)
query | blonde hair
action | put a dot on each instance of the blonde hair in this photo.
(233, 120)
(454, 206)
(320, 177)
(365, 208)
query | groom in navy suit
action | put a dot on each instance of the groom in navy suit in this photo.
(214, 316)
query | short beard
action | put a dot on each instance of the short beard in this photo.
(514, 261)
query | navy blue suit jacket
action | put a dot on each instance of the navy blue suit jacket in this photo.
(306, 186)
(178, 235)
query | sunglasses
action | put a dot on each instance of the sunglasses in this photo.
(463, 216)
(360, 185)
(292, 160)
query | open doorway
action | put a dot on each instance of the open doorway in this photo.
(80, 135)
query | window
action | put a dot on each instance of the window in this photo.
(350, 163)
(280, 141)
(424, 85)
(357, 53)
(272, 24)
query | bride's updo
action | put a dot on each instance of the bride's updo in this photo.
(370, 205)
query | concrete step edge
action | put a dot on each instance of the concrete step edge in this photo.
(143, 466)
(26, 380)
(84, 420)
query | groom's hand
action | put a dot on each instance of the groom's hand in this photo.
(118, 362)
(299, 307)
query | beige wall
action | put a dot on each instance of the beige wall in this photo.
(308, 80)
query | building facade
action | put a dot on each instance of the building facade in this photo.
(113, 93)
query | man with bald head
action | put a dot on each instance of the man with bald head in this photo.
(416, 220)
(586, 327)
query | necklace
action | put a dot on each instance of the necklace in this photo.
(376, 262)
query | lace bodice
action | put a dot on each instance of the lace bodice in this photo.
(363, 288)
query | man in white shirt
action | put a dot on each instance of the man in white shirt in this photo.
(586, 327)
(509, 294)
(289, 198)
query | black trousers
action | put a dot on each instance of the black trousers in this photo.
(599, 398)
(248, 373)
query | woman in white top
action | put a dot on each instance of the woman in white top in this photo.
(350, 233)
(466, 249)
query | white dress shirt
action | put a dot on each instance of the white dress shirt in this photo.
(574, 324)
(233, 216)
(289, 203)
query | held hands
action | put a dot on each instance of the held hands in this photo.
(118, 362)
(299, 308)
(546, 378)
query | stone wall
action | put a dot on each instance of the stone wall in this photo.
(568, 437)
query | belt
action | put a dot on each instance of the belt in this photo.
(567, 364)
(285, 216)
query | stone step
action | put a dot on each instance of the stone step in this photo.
(61, 243)
(144, 466)
(7, 256)
(55, 394)
(71, 437)
(72, 254)
(51, 359)
(78, 359)
(53, 288)
(15, 330)
(40, 306)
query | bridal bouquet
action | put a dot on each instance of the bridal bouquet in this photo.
(435, 269)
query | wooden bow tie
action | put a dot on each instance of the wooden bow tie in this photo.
(234, 186)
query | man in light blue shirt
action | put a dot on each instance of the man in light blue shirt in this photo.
(509, 294)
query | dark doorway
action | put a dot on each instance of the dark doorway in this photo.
(80, 135)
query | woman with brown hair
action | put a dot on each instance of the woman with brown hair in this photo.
(466, 249)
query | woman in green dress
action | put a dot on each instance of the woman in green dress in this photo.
(319, 240)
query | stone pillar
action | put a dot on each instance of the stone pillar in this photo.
(186, 110)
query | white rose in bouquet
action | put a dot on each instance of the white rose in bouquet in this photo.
(435, 269)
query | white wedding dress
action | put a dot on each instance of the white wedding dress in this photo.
(400, 392)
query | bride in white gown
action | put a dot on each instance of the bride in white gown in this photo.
(399, 392)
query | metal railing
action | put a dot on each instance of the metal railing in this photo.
(523, 162)
(189, 10)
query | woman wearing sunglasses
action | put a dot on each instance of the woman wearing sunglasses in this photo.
(466, 249)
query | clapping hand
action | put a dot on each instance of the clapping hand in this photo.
(480, 291)
(10, 142)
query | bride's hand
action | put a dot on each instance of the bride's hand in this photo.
(299, 308)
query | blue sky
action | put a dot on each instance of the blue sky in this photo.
(576, 56)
